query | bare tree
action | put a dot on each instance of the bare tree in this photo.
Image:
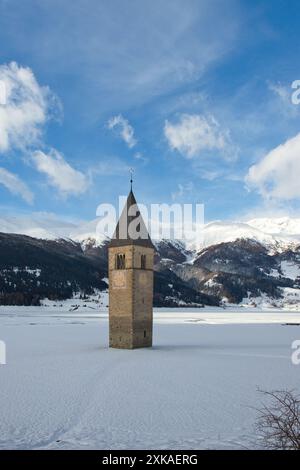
(278, 423)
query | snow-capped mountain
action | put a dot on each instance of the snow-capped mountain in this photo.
(50, 227)
(44, 226)
(224, 232)
(277, 233)
(285, 226)
(87, 234)
(273, 232)
(239, 262)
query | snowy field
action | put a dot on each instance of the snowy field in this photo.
(63, 388)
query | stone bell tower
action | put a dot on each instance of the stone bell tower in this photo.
(130, 255)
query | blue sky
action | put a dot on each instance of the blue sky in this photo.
(195, 95)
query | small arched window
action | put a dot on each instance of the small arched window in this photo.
(120, 261)
(143, 261)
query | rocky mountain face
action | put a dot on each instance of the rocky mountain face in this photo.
(257, 270)
(34, 269)
(241, 271)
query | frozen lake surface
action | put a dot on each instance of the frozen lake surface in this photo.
(63, 388)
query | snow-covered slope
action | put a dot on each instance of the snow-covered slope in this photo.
(277, 233)
(219, 232)
(87, 232)
(239, 261)
(50, 227)
(43, 226)
(284, 226)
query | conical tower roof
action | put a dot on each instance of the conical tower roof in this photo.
(131, 229)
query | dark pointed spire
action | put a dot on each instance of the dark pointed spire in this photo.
(122, 235)
(131, 178)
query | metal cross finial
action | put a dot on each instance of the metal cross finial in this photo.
(131, 177)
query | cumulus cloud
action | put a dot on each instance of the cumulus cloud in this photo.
(25, 109)
(194, 133)
(124, 129)
(276, 176)
(15, 185)
(59, 173)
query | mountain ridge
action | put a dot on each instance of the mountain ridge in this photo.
(256, 268)
(276, 231)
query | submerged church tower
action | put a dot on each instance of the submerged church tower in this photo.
(130, 258)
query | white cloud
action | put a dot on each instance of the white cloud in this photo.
(15, 185)
(124, 129)
(59, 173)
(109, 166)
(276, 176)
(281, 91)
(165, 47)
(139, 156)
(283, 104)
(210, 175)
(26, 108)
(182, 190)
(195, 133)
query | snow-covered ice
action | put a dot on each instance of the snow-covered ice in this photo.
(63, 388)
